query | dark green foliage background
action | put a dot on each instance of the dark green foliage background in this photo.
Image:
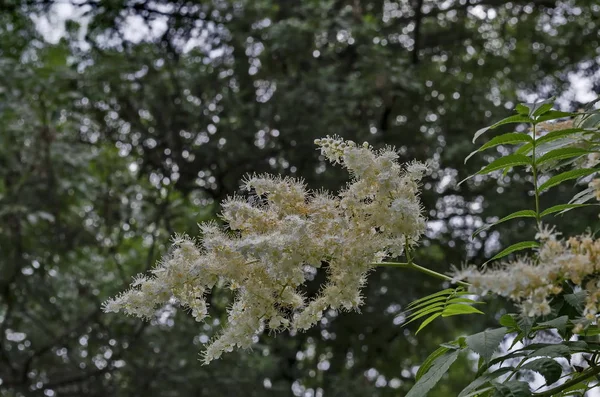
(108, 147)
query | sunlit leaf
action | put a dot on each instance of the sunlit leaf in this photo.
(456, 309)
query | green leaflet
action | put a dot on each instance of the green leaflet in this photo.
(512, 119)
(561, 154)
(583, 196)
(514, 248)
(540, 107)
(562, 208)
(429, 361)
(482, 380)
(427, 322)
(553, 115)
(577, 389)
(485, 343)
(525, 149)
(457, 308)
(424, 312)
(566, 176)
(514, 215)
(522, 109)
(504, 139)
(560, 323)
(557, 350)
(513, 388)
(507, 161)
(576, 300)
(447, 291)
(591, 121)
(415, 305)
(559, 134)
(592, 330)
(511, 160)
(443, 303)
(543, 108)
(547, 367)
(509, 321)
(429, 379)
(537, 350)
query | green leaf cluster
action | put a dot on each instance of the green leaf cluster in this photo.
(445, 303)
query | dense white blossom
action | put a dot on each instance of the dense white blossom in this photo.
(276, 234)
(533, 282)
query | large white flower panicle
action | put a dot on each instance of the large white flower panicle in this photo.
(532, 283)
(277, 235)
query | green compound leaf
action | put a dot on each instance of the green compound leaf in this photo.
(485, 343)
(442, 303)
(512, 119)
(566, 176)
(514, 248)
(547, 367)
(561, 154)
(504, 139)
(437, 370)
(517, 214)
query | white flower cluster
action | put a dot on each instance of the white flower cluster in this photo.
(277, 236)
(533, 282)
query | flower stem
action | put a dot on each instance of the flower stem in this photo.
(421, 269)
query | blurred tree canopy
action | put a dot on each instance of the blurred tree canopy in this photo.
(123, 121)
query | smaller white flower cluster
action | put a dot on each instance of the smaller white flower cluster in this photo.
(278, 236)
(533, 282)
(594, 184)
